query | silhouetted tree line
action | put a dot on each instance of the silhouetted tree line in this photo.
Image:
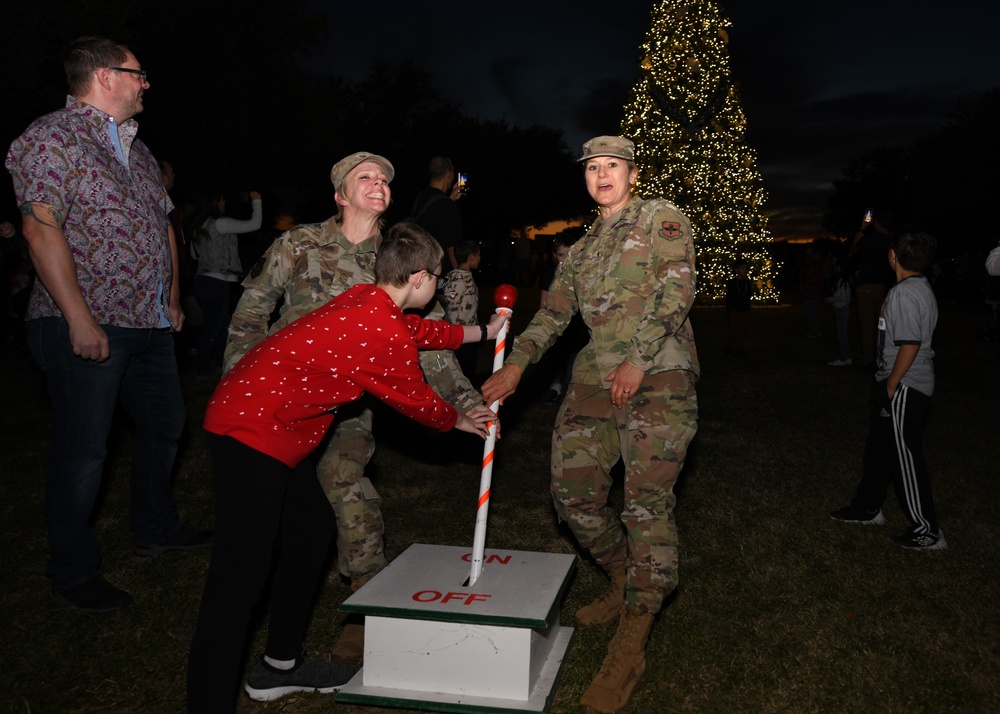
(235, 104)
(946, 183)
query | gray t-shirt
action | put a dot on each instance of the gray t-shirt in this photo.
(909, 315)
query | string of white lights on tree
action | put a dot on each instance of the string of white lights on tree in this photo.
(685, 117)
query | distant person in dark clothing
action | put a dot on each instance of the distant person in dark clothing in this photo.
(870, 253)
(739, 291)
(219, 275)
(840, 300)
(812, 291)
(176, 216)
(18, 277)
(435, 209)
(187, 340)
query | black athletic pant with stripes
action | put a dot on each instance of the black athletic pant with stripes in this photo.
(894, 452)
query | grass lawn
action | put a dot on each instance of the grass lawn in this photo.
(780, 609)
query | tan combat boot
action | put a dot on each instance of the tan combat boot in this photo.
(350, 646)
(605, 609)
(623, 667)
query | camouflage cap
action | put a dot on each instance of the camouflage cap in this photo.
(608, 146)
(343, 167)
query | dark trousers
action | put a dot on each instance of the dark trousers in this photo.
(842, 314)
(894, 452)
(264, 512)
(213, 296)
(141, 369)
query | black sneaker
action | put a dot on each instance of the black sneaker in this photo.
(921, 541)
(184, 539)
(853, 514)
(94, 595)
(267, 683)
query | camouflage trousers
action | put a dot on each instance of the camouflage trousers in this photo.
(651, 435)
(343, 456)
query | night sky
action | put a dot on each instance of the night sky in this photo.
(821, 83)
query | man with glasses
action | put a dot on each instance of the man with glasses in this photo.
(102, 312)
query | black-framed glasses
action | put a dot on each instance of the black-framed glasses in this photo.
(140, 72)
(439, 277)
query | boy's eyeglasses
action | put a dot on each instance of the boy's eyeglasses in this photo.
(439, 277)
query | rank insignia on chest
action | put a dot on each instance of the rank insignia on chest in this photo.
(670, 229)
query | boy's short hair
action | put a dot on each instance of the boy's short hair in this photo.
(914, 250)
(464, 250)
(406, 249)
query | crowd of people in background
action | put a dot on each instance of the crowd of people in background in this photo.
(845, 281)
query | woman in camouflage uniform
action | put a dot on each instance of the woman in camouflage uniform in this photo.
(305, 268)
(631, 397)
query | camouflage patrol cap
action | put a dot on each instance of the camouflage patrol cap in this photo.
(343, 167)
(608, 146)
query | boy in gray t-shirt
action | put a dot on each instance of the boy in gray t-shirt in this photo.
(904, 383)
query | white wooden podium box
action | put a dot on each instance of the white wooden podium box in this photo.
(434, 643)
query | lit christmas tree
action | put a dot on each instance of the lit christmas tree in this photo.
(685, 118)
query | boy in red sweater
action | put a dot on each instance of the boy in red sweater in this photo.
(264, 420)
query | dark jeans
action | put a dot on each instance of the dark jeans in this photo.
(213, 297)
(142, 370)
(264, 512)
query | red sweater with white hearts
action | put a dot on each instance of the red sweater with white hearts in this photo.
(280, 398)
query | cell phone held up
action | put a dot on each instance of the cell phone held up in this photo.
(463, 182)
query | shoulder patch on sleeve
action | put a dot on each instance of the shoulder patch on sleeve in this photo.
(670, 230)
(258, 268)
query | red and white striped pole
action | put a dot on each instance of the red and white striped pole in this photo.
(504, 297)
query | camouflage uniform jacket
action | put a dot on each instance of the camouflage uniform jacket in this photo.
(307, 267)
(632, 279)
(461, 297)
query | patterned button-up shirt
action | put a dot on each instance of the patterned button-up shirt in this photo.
(116, 217)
